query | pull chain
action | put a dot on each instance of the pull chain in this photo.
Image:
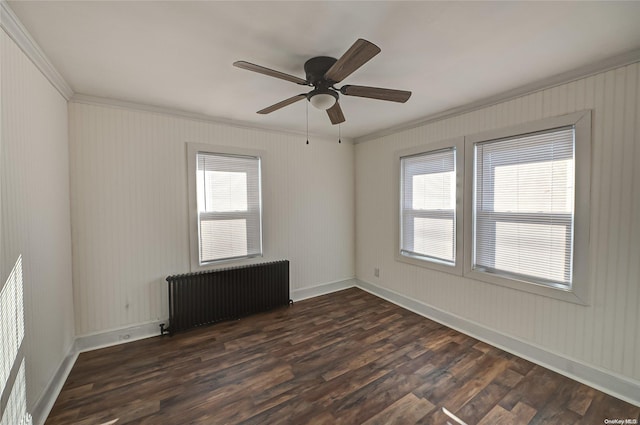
(339, 133)
(307, 122)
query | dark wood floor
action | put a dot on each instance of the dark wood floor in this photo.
(344, 358)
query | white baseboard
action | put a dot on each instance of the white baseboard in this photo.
(146, 330)
(118, 336)
(151, 329)
(325, 288)
(608, 382)
(45, 403)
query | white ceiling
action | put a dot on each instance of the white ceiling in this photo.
(179, 54)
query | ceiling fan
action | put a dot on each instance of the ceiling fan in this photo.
(323, 72)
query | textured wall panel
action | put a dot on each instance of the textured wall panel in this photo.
(130, 216)
(604, 334)
(35, 213)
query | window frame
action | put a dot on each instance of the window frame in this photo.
(458, 145)
(579, 292)
(194, 216)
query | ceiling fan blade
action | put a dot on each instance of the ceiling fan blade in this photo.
(335, 114)
(270, 72)
(282, 104)
(376, 93)
(358, 54)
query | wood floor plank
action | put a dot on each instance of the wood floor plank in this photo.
(343, 358)
(480, 405)
(373, 398)
(581, 399)
(521, 414)
(409, 409)
(537, 387)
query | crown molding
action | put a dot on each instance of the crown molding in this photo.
(19, 34)
(115, 103)
(626, 58)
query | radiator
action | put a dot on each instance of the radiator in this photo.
(202, 298)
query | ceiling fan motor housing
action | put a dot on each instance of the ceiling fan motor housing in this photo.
(315, 68)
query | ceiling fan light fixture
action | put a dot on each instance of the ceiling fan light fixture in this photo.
(323, 100)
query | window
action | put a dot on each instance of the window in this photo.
(227, 209)
(429, 206)
(429, 232)
(523, 207)
(524, 191)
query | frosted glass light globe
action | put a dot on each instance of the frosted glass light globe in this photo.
(323, 101)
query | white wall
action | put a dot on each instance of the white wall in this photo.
(35, 213)
(605, 334)
(130, 213)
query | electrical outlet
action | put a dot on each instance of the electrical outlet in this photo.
(376, 272)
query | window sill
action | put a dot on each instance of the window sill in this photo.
(570, 295)
(433, 265)
(232, 262)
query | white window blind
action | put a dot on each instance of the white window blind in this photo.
(524, 207)
(229, 207)
(428, 206)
